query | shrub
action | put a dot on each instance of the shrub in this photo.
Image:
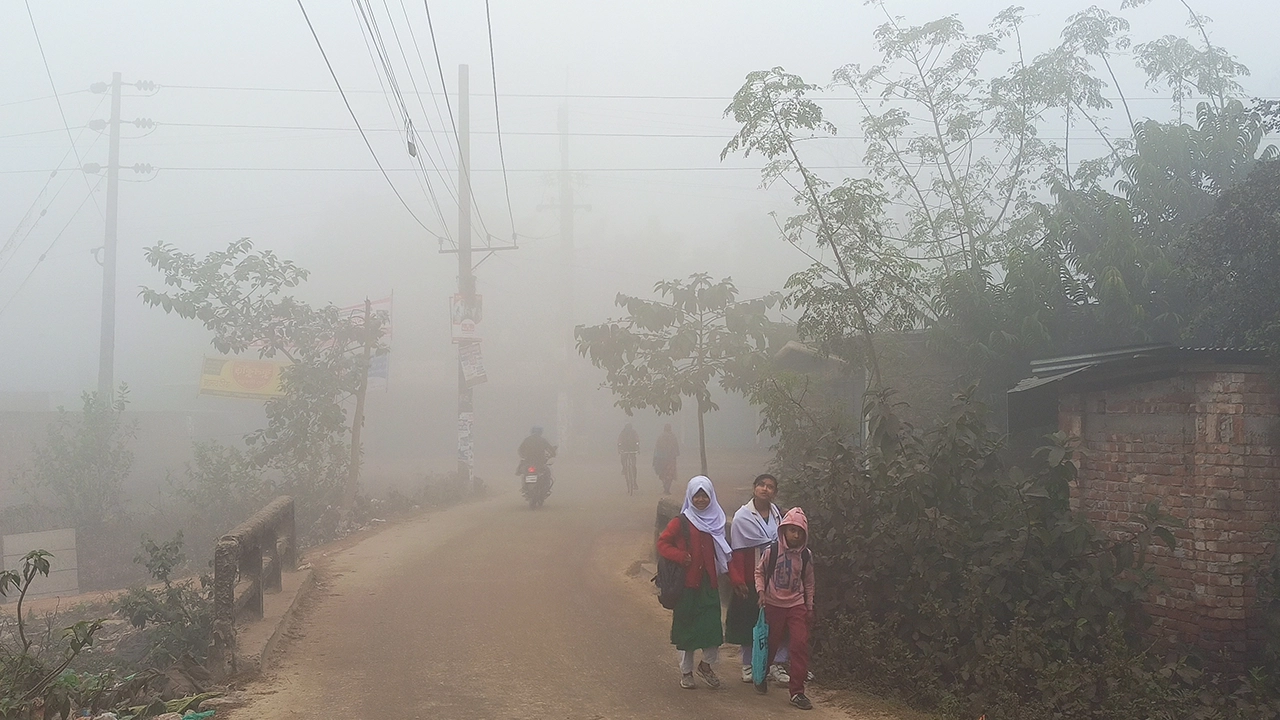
(85, 459)
(178, 618)
(971, 586)
(27, 682)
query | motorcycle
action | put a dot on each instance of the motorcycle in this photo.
(536, 483)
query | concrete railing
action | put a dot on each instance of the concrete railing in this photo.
(247, 562)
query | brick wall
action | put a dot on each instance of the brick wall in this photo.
(1204, 445)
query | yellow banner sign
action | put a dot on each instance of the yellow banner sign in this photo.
(238, 378)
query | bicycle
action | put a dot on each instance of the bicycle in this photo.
(629, 470)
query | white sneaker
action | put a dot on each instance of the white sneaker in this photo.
(746, 674)
(778, 674)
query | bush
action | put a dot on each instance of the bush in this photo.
(85, 460)
(177, 619)
(29, 683)
(971, 586)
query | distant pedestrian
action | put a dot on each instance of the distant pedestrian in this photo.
(665, 452)
(785, 582)
(695, 539)
(755, 528)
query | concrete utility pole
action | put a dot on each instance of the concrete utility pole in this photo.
(357, 423)
(107, 343)
(466, 280)
(564, 399)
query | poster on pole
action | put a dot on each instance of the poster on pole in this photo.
(241, 378)
(466, 451)
(472, 364)
(465, 317)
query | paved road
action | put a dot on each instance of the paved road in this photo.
(492, 610)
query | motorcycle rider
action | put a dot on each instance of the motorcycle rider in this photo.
(535, 451)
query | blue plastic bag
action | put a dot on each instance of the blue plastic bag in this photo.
(759, 649)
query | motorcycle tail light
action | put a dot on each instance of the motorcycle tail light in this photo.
(533, 469)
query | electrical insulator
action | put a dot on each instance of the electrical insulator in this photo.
(144, 123)
(98, 125)
(413, 149)
(98, 87)
(145, 85)
(92, 168)
(141, 168)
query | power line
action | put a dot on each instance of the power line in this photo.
(495, 170)
(42, 97)
(13, 242)
(388, 68)
(453, 123)
(497, 118)
(585, 96)
(48, 73)
(367, 29)
(426, 77)
(356, 120)
(49, 249)
(525, 133)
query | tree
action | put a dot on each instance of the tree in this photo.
(669, 349)
(972, 221)
(1231, 262)
(238, 294)
(85, 459)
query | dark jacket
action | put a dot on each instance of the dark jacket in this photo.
(535, 449)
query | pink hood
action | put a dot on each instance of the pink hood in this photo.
(795, 516)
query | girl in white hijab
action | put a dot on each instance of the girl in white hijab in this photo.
(709, 519)
(695, 539)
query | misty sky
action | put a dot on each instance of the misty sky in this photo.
(660, 206)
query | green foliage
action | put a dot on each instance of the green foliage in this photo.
(237, 294)
(953, 228)
(1231, 262)
(673, 348)
(85, 460)
(178, 618)
(974, 579)
(26, 681)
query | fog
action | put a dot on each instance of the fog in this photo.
(645, 86)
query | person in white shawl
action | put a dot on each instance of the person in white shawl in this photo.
(755, 527)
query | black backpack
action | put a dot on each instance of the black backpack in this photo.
(670, 577)
(772, 562)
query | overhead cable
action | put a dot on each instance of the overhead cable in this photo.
(435, 47)
(48, 73)
(378, 57)
(49, 249)
(497, 119)
(356, 120)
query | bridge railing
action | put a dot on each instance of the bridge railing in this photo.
(247, 562)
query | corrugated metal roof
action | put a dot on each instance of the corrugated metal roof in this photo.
(1137, 358)
(1035, 382)
(1138, 353)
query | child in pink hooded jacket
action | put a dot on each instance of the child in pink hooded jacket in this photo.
(784, 579)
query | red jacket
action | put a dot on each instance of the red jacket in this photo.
(672, 546)
(742, 567)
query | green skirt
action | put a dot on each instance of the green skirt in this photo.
(695, 623)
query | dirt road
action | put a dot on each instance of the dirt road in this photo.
(492, 610)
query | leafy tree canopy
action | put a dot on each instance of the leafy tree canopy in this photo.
(239, 295)
(672, 348)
